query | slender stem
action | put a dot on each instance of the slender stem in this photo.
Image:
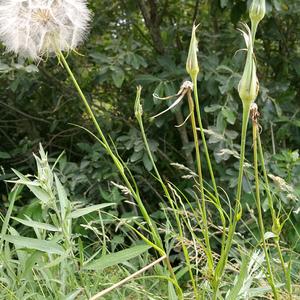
(207, 156)
(127, 279)
(202, 207)
(253, 31)
(259, 210)
(237, 209)
(117, 162)
(273, 214)
(12, 198)
(138, 115)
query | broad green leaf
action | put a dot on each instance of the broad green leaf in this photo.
(37, 225)
(116, 258)
(30, 243)
(87, 210)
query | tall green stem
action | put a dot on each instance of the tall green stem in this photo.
(202, 207)
(207, 156)
(259, 210)
(115, 159)
(138, 115)
(273, 214)
(237, 209)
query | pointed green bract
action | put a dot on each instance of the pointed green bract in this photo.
(192, 66)
(257, 10)
(248, 85)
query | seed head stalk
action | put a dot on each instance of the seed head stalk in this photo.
(274, 217)
(202, 207)
(192, 68)
(155, 234)
(138, 114)
(258, 202)
(237, 209)
(107, 147)
(208, 160)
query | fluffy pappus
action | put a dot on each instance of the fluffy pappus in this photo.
(37, 28)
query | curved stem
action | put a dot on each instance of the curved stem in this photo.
(138, 114)
(259, 210)
(237, 209)
(202, 207)
(115, 159)
(273, 214)
(209, 165)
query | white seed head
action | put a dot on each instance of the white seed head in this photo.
(35, 28)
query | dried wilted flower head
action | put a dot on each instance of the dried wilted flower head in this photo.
(34, 28)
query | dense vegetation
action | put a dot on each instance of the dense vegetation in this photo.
(146, 42)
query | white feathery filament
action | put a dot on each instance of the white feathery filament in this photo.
(35, 28)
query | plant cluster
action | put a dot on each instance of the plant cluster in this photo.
(193, 249)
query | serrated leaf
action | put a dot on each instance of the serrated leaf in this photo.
(116, 258)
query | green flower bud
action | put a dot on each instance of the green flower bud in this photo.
(257, 10)
(248, 85)
(192, 66)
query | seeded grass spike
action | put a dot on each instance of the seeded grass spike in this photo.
(37, 28)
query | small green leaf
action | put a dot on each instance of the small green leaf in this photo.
(229, 115)
(116, 258)
(118, 77)
(212, 108)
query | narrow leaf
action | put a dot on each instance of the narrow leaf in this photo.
(87, 210)
(37, 225)
(116, 258)
(30, 243)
